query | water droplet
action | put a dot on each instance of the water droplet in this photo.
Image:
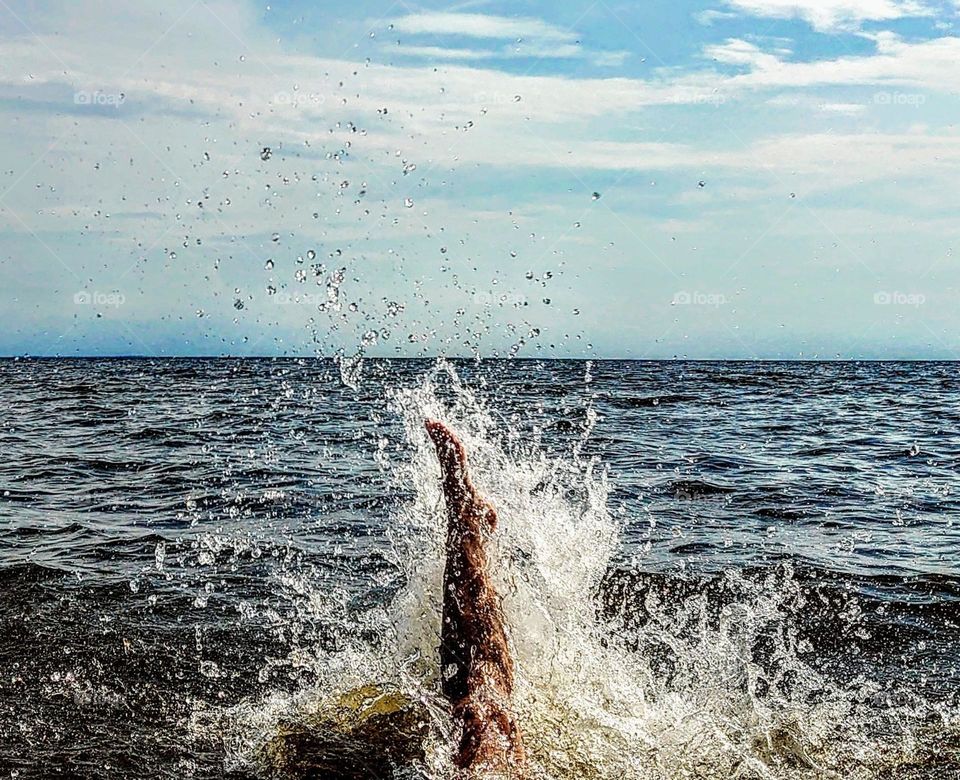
(266, 153)
(595, 196)
(408, 202)
(311, 255)
(701, 184)
(268, 266)
(210, 669)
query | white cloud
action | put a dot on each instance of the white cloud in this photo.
(708, 17)
(809, 102)
(442, 53)
(927, 66)
(832, 15)
(526, 37)
(482, 26)
(850, 109)
(539, 51)
(735, 51)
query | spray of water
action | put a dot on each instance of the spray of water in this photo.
(691, 691)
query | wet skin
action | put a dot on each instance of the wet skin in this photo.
(476, 665)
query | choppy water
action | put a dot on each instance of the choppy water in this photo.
(708, 570)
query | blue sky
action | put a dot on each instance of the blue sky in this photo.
(729, 179)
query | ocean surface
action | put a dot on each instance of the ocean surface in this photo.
(709, 570)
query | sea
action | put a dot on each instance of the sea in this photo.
(231, 568)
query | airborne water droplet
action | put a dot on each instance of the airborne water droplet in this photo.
(266, 153)
(408, 202)
(268, 265)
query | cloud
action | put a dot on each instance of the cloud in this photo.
(736, 51)
(850, 109)
(927, 66)
(832, 15)
(442, 53)
(528, 38)
(708, 17)
(482, 26)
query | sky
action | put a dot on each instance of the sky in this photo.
(721, 179)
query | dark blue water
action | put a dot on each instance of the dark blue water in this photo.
(154, 513)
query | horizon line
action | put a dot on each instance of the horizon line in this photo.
(433, 358)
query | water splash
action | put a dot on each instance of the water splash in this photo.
(613, 680)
